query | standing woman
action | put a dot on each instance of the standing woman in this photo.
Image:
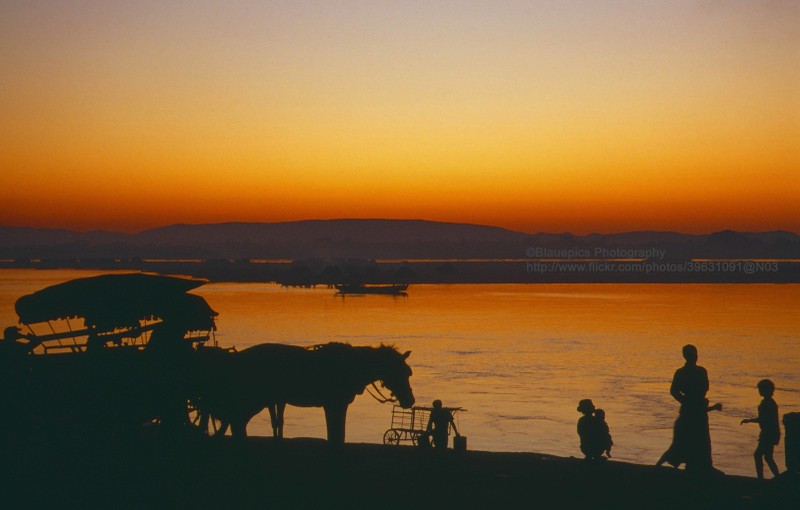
(691, 440)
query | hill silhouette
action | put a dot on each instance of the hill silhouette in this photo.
(375, 239)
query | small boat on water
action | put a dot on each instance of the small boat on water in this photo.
(359, 288)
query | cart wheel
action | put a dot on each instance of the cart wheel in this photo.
(206, 424)
(391, 436)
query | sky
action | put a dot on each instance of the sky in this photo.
(538, 116)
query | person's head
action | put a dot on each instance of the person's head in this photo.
(586, 406)
(437, 404)
(11, 334)
(600, 414)
(766, 387)
(690, 354)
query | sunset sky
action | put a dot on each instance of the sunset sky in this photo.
(580, 116)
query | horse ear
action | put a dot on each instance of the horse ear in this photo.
(406, 354)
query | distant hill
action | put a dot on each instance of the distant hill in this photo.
(381, 239)
(320, 231)
(300, 239)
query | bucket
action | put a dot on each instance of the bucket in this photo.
(460, 443)
(791, 441)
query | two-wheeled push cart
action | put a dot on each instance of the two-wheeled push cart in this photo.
(410, 425)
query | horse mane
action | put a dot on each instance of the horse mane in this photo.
(329, 346)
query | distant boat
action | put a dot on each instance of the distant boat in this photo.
(358, 288)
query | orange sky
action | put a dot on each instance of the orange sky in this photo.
(537, 116)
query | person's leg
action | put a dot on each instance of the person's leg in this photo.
(768, 457)
(757, 456)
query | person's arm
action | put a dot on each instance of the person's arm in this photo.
(705, 381)
(453, 424)
(752, 420)
(582, 427)
(675, 389)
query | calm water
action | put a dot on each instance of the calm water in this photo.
(519, 357)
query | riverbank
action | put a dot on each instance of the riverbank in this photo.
(307, 473)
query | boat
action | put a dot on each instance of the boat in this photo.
(393, 289)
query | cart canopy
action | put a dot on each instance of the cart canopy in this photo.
(114, 301)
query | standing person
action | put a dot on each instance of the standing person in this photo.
(691, 440)
(169, 354)
(770, 428)
(439, 424)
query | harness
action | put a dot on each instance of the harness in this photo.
(380, 397)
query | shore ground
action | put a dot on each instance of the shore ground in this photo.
(307, 473)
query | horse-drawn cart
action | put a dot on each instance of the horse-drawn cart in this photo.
(104, 354)
(408, 425)
(113, 354)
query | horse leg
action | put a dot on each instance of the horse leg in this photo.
(273, 419)
(279, 408)
(335, 418)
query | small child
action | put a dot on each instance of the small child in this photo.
(603, 431)
(770, 428)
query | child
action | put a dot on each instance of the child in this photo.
(770, 428)
(603, 431)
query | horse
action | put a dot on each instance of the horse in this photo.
(273, 375)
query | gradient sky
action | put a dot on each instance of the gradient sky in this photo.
(581, 116)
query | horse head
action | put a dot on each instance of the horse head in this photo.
(394, 374)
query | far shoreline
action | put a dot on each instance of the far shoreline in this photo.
(319, 272)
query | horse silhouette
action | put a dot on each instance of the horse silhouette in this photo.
(238, 385)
